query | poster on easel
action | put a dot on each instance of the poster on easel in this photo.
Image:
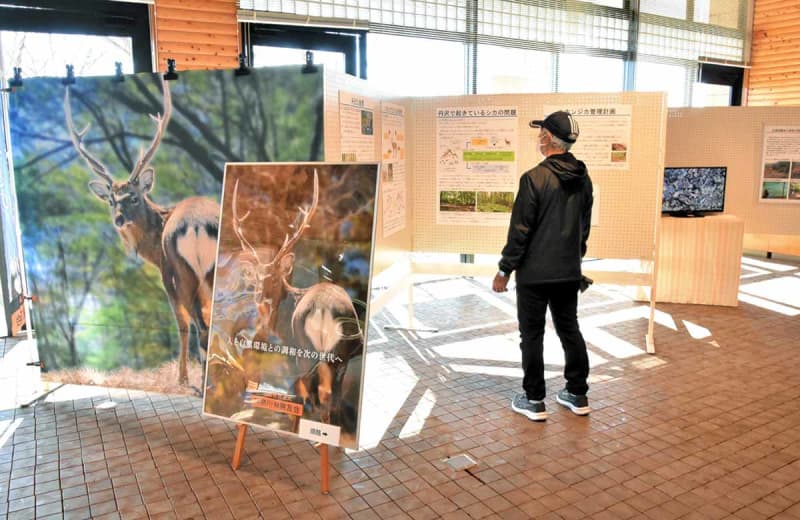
(289, 314)
(780, 164)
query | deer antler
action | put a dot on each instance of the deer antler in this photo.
(238, 221)
(95, 165)
(161, 124)
(307, 214)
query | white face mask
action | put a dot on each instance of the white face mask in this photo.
(542, 143)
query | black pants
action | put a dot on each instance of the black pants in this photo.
(532, 303)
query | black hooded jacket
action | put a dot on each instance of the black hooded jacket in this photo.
(550, 222)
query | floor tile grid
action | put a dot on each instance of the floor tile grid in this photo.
(672, 440)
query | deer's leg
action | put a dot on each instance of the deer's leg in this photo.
(301, 387)
(336, 393)
(201, 316)
(325, 389)
(183, 318)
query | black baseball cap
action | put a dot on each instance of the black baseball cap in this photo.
(561, 124)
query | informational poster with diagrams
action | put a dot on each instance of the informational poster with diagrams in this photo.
(605, 134)
(393, 168)
(357, 126)
(780, 164)
(476, 164)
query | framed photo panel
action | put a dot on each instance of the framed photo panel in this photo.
(288, 327)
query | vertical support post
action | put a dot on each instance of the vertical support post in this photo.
(237, 451)
(324, 469)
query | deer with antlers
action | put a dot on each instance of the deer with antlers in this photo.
(180, 241)
(324, 317)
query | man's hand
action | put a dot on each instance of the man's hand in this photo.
(500, 283)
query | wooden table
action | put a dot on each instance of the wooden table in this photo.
(699, 260)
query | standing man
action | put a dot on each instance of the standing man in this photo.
(546, 240)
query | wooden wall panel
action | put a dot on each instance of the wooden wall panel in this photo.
(197, 35)
(773, 78)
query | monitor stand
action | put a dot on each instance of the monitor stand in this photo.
(687, 214)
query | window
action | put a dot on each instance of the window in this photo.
(42, 37)
(668, 8)
(725, 13)
(583, 73)
(282, 44)
(494, 46)
(503, 69)
(264, 56)
(47, 54)
(718, 85)
(707, 95)
(415, 66)
(659, 77)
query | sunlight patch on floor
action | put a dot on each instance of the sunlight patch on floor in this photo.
(648, 362)
(7, 429)
(416, 421)
(752, 272)
(388, 381)
(73, 392)
(488, 348)
(765, 264)
(784, 290)
(504, 348)
(376, 335)
(610, 344)
(768, 305)
(696, 331)
(633, 313)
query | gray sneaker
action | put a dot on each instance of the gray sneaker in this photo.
(533, 410)
(579, 404)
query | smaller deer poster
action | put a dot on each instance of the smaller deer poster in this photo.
(288, 321)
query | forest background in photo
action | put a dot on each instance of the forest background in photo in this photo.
(99, 305)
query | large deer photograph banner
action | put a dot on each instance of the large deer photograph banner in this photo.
(289, 318)
(12, 263)
(119, 184)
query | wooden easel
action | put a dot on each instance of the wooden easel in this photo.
(323, 457)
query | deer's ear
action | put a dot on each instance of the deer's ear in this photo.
(101, 189)
(286, 265)
(146, 179)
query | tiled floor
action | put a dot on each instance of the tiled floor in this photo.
(709, 427)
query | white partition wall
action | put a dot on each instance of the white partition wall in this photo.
(628, 199)
(733, 137)
(628, 183)
(394, 248)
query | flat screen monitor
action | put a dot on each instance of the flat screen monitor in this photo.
(694, 190)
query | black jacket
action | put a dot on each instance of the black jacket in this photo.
(550, 222)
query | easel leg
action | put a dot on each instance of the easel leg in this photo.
(323, 460)
(237, 451)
